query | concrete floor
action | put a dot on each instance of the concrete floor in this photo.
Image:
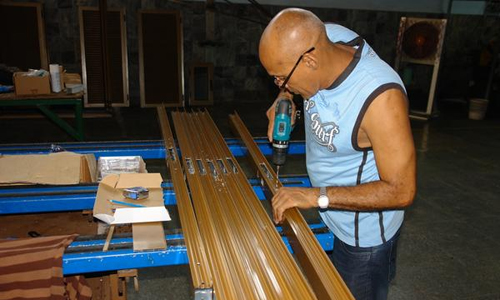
(450, 241)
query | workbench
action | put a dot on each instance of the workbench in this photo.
(44, 103)
(85, 254)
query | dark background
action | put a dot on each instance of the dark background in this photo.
(238, 75)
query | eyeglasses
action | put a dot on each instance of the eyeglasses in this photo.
(285, 81)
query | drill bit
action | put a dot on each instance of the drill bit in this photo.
(277, 175)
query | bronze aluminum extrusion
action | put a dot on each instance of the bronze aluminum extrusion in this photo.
(321, 273)
(258, 266)
(231, 227)
(224, 211)
(199, 266)
(227, 278)
(271, 244)
(286, 271)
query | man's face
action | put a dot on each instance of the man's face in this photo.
(284, 80)
(297, 78)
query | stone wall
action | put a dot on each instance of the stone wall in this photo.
(238, 73)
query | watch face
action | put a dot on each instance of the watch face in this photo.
(323, 201)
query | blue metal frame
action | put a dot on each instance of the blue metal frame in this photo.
(80, 258)
(146, 149)
(68, 198)
(21, 200)
(176, 254)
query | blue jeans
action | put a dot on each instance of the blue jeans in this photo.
(366, 271)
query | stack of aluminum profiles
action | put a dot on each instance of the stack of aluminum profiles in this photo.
(237, 245)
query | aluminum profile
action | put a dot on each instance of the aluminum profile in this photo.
(201, 272)
(247, 255)
(322, 275)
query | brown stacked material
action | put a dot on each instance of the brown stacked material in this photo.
(245, 256)
(32, 269)
(196, 250)
(324, 278)
(248, 258)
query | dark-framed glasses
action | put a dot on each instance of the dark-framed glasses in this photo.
(287, 78)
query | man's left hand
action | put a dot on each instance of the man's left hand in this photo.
(288, 197)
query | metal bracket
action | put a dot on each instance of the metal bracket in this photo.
(222, 166)
(266, 171)
(171, 153)
(190, 166)
(204, 294)
(201, 168)
(211, 166)
(232, 165)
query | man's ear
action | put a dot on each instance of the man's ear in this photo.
(311, 61)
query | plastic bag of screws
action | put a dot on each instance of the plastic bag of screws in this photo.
(120, 164)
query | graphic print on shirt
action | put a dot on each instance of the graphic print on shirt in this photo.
(323, 133)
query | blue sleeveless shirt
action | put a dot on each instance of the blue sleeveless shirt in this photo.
(332, 120)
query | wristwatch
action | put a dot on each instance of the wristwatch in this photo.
(323, 200)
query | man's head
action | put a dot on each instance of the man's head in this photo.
(288, 42)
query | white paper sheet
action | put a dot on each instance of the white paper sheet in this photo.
(136, 215)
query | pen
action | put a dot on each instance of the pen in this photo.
(125, 203)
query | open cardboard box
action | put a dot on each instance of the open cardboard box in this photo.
(31, 85)
(60, 168)
(147, 227)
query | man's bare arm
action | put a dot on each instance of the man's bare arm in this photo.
(387, 127)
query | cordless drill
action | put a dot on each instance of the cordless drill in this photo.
(281, 132)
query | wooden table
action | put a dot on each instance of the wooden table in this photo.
(43, 102)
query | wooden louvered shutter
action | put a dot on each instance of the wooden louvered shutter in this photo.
(92, 57)
(160, 58)
(22, 36)
(200, 84)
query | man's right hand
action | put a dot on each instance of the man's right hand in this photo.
(271, 112)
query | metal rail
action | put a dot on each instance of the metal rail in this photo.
(200, 269)
(255, 208)
(320, 271)
(220, 252)
(256, 264)
(38, 199)
(146, 149)
(85, 254)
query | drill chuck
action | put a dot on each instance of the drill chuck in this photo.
(280, 149)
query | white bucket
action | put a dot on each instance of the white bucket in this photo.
(477, 108)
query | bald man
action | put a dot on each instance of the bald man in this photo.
(359, 148)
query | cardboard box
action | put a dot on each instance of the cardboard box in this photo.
(73, 83)
(31, 85)
(72, 78)
(56, 168)
(147, 227)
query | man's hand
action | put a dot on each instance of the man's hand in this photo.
(288, 197)
(271, 112)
